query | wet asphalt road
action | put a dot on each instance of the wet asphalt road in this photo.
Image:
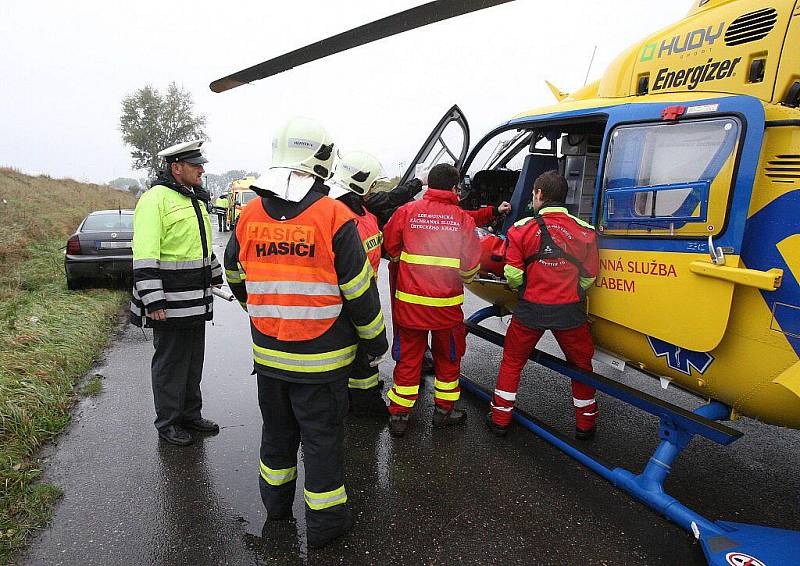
(433, 497)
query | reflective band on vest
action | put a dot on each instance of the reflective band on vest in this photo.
(291, 312)
(430, 260)
(305, 363)
(290, 288)
(429, 301)
(293, 291)
(318, 501)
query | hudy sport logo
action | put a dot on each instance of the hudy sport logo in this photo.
(690, 41)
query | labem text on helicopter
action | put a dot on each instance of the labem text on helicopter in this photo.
(685, 156)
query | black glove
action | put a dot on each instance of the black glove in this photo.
(414, 186)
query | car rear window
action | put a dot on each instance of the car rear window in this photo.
(108, 221)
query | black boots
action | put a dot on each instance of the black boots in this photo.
(495, 428)
(442, 418)
(368, 402)
(175, 435)
(202, 425)
(398, 424)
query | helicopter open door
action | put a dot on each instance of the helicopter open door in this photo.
(447, 143)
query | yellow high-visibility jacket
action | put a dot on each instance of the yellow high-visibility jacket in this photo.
(174, 266)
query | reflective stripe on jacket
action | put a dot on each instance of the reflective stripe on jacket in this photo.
(173, 265)
(434, 242)
(307, 285)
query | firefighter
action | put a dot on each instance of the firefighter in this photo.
(221, 206)
(433, 243)
(552, 259)
(354, 176)
(173, 271)
(297, 264)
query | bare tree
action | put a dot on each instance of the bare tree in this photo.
(151, 121)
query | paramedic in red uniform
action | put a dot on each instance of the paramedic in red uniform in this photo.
(436, 251)
(552, 259)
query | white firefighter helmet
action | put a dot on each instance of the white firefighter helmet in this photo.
(301, 151)
(304, 145)
(355, 172)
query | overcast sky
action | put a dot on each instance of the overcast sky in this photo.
(67, 65)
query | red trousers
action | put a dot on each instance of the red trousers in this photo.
(520, 341)
(408, 348)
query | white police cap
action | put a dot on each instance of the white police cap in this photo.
(186, 151)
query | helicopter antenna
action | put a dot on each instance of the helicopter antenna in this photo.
(591, 61)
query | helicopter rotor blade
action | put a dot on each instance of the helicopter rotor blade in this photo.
(407, 20)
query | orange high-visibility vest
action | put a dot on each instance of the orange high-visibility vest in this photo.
(292, 288)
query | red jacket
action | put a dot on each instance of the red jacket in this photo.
(434, 242)
(557, 281)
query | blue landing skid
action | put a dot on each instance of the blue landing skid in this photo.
(724, 543)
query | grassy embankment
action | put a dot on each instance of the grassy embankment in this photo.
(49, 337)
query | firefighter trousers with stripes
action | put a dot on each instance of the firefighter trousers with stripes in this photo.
(408, 349)
(578, 348)
(311, 415)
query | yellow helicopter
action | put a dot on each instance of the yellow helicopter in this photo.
(685, 155)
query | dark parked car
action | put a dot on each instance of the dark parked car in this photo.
(100, 248)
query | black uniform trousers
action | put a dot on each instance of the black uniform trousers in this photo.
(311, 414)
(177, 368)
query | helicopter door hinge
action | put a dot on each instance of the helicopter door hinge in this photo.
(717, 255)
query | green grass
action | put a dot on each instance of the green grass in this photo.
(93, 387)
(49, 338)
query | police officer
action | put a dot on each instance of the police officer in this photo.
(174, 269)
(297, 264)
(552, 259)
(355, 175)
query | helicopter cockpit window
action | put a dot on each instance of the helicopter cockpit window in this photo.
(664, 179)
(493, 172)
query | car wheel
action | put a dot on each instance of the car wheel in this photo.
(73, 284)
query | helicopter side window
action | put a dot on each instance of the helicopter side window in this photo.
(669, 179)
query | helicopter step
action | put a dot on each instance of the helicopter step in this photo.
(723, 543)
